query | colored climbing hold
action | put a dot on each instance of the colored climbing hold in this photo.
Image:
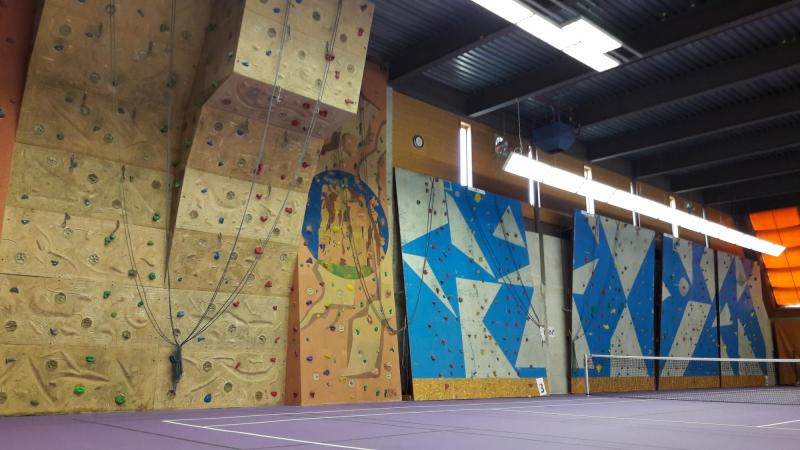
(236, 303)
(221, 220)
(216, 256)
(268, 284)
(90, 359)
(79, 389)
(113, 314)
(156, 217)
(201, 338)
(477, 197)
(180, 314)
(150, 243)
(360, 32)
(151, 276)
(204, 190)
(274, 393)
(120, 399)
(207, 398)
(295, 122)
(349, 287)
(258, 250)
(140, 304)
(106, 294)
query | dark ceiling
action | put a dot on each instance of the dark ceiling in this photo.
(706, 102)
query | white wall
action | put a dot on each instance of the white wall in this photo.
(557, 342)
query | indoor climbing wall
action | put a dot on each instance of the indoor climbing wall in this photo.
(474, 330)
(344, 347)
(75, 332)
(744, 326)
(273, 92)
(688, 315)
(613, 276)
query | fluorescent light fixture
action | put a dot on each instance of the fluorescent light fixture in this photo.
(511, 10)
(597, 61)
(548, 32)
(558, 178)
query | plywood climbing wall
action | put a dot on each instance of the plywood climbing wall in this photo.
(75, 333)
(474, 330)
(255, 141)
(744, 326)
(613, 302)
(344, 346)
(688, 315)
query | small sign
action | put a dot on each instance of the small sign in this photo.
(551, 332)
(542, 388)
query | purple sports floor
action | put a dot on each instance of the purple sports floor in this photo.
(560, 422)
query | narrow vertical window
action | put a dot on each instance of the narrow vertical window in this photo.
(465, 154)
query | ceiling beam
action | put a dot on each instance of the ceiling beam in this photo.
(727, 119)
(706, 81)
(702, 156)
(748, 170)
(751, 190)
(763, 204)
(445, 46)
(705, 20)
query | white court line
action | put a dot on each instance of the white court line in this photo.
(779, 423)
(300, 441)
(304, 413)
(302, 419)
(642, 419)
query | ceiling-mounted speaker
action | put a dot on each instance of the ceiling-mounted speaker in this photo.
(554, 137)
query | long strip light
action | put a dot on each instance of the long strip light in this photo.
(552, 176)
(579, 39)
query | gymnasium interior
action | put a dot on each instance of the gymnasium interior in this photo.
(399, 224)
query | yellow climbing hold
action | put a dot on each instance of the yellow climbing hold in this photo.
(349, 287)
(477, 197)
(605, 327)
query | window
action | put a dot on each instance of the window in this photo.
(465, 154)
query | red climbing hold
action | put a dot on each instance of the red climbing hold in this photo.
(258, 196)
(360, 32)
(323, 113)
(306, 105)
(329, 57)
(273, 359)
(305, 165)
(295, 122)
(237, 365)
(236, 303)
(259, 250)
(264, 218)
(288, 210)
(268, 284)
(260, 167)
(275, 394)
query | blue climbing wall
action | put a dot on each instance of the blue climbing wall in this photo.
(688, 308)
(743, 323)
(468, 282)
(612, 291)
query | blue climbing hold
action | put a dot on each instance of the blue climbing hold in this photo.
(269, 52)
(204, 190)
(221, 220)
(180, 314)
(216, 256)
(201, 338)
(207, 398)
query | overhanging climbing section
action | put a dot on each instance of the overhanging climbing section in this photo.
(277, 79)
(476, 330)
(343, 345)
(613, 277)
(76, 335)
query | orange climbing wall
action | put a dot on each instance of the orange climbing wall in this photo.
(16, 20)
(781, 226)
(342, 348)
(75, 336)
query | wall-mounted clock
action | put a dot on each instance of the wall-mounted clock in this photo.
(418, 141)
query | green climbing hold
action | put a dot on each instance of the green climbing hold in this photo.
(156, 217)
(140, 304)
(90, 359)
(178, 184)
(106, 294)
(120, 399)
(151, 276)
(79, 389)
(114, 315)
(151, 243)
(108, 239)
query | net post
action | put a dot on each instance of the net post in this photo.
(586, 372)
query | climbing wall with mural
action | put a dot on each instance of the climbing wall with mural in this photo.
(344, 348)
(109, 265)
(744, 326)
(474, 329)
(613, 277)
(688, 315)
